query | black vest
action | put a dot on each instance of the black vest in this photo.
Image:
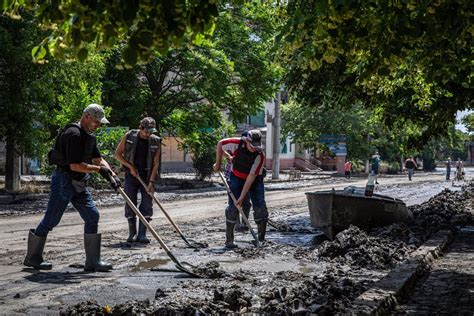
(243, 159)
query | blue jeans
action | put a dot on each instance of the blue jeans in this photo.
(132, 186)
(257, 196)
(62, 192)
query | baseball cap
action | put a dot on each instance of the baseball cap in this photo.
(97, 112)
(254, 137)
(149, 124)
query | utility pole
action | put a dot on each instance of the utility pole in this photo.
(276, 138)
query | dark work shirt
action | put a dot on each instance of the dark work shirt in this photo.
(78, 146)
(410, 164)
(141, 154)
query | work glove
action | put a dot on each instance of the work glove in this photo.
(106, 173)
(115, 182)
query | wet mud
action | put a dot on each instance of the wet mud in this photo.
(321, 276)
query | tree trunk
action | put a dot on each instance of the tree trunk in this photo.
(12, 167)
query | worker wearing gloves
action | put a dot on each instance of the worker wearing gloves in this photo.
(76, 155)
(246, 178)
(139, 153)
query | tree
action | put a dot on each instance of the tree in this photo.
(409, 60)
(468, 121)
(146, 26)
(186, 89)
(37, 99)
(18, 89)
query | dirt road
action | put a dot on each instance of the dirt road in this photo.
(27, 290)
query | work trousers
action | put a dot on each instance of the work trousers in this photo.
(132, 186)
(256, 194)
(63, 192)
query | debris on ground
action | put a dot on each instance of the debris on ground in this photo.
(348, 266)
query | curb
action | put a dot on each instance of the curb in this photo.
(382, 297)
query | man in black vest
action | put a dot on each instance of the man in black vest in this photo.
(246, 177)
(139, 153)
(76, 155)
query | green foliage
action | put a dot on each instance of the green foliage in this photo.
(306, 124)
(146, 26)
(468, 121)
(393, 167)
(410, 61)
(186, 89)
(441, 148)
(107, 141)
(203, 148)
(19, 88)
(233, 72)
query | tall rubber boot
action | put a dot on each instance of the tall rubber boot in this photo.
(34, 253)
(141, 237)
(92, 246)
(229, 236)
(132, 229)
(242, 226)
(262, 230)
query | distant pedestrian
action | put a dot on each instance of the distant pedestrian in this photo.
(448, 169)
(410, 165)
(376, 165)
(459, 170)
(348, 169)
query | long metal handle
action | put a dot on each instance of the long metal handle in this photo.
(196, 245)
(148, 226)
(161, 207)
(246, 220)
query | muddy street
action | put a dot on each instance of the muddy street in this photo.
(295, 270)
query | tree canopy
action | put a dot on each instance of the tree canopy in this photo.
(146, 26)
(411, 60)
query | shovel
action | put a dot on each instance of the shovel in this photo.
(189, 242)
(179, 265)
(246, 220)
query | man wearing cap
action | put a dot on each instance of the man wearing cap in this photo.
(76, 155)
(139, 153)
(246, 178)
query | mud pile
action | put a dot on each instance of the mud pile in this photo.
(331, 290)
(354, 247)
(447, 210)
(210, 270)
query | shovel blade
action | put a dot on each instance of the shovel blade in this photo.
(183, 269)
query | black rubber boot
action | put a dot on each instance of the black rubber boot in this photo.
(132, 229)
(262, 230)
(229, 236)
(92, 246)
(34, 253)
(242, 226)
(141, 237)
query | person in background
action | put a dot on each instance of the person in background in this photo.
(410, 165)
(348, 169)
(448, 169)
(376, 165)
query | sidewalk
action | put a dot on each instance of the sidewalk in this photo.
(449, 289)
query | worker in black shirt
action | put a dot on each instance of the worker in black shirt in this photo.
(410, 165)
(139, 153)
(76, 156)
